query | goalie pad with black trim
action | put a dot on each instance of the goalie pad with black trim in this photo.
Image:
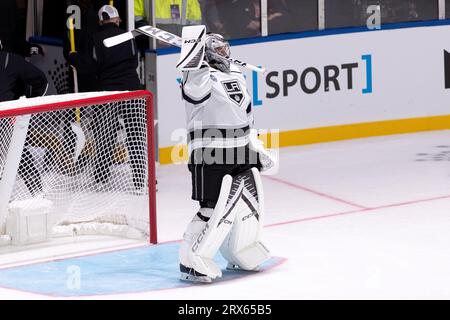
(243, 247)
(207, 242)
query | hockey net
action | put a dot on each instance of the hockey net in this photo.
(87, 159)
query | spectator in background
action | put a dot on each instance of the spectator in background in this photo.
(210, 16)
(17, 78)
(12, 32)
(140, 20)
(254, 26)
(89, 25)
(279, 19)
(115, 66)
(240, 18)
(140, 16)
(341, 13)
(393, 11)
(297, 16)
(412, 11)
(116, 71)
(171, 15)
(8, 12)
(87, 80)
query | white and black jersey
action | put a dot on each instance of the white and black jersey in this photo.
(218, 108)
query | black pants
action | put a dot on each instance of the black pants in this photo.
(207, 176)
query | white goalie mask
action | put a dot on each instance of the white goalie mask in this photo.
(217, 52)
(217, 44)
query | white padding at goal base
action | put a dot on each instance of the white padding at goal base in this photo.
(5, 240)
(96, 228)
(26, 223)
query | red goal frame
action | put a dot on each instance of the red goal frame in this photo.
(105, 98)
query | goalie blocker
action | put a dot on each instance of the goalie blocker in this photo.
(233, 226)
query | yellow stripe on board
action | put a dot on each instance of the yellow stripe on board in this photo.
(173, 154)
(178, 154)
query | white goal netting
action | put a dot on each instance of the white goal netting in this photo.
(85, 154)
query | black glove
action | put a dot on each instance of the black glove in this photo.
(73, 59)
(36, 49)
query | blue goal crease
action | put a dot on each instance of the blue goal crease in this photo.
(143, 269)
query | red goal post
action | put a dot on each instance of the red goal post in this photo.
(91, 173)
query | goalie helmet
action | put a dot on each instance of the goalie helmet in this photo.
(217, 44)
(217, 50)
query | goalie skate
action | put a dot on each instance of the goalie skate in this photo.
(235, 267)
(189, 274)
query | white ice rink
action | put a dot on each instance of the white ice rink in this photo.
(357, 219)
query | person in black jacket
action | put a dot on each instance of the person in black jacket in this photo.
(8, 9)
(12, 31)
(87, 77)
(116, 69)
(18, 77)
(116, 66)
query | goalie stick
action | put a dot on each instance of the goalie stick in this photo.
(169, 38)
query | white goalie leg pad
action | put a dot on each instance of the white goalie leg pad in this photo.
(208, 241)
(243, 247)
(190, 235)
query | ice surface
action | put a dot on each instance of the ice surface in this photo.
(359, 219)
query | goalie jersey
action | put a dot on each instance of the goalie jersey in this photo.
(218, 108)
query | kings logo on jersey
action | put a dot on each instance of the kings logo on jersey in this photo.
(234, 91)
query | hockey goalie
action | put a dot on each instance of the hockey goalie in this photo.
(225, 161)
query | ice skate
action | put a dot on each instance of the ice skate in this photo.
(189, 274)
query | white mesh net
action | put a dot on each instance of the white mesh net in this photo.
(90, 162)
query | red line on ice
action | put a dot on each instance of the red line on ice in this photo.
(296, 186)
(357, 211)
